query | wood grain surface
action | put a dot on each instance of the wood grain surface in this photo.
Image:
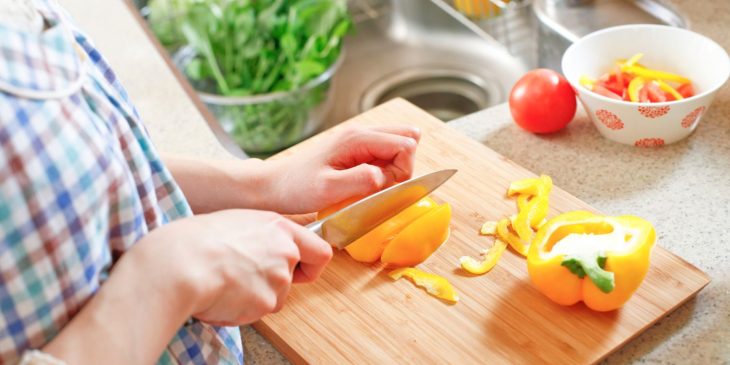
(356, 315)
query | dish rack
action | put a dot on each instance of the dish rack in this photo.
(510, 22)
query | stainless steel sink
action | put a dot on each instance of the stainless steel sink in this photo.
(562, 22)
(423, 51)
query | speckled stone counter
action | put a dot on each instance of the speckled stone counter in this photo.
(683, 188)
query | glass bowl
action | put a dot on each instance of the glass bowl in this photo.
(267, 123)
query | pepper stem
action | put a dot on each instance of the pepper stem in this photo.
(591, 265)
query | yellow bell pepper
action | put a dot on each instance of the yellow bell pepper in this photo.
(613, 252)
(434, 284)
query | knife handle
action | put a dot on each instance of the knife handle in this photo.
(316, 227)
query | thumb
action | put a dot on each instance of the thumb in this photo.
(361, 180)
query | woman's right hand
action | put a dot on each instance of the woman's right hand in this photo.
(231, 267)
(238, 264)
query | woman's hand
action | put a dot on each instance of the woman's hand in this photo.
(227, 268)
(354, 162)
(252, 259)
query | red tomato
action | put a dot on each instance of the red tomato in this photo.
(656, 95)
(686, 90)
(542, 101)
(598, 89)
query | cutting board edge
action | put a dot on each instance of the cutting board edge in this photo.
(279, 343)
(671, 310)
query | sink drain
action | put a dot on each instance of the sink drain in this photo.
(445, 94)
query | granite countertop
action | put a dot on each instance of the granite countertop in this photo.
(682, 188)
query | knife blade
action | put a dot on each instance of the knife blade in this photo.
(350, 223)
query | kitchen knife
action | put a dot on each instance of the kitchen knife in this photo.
(350, 223)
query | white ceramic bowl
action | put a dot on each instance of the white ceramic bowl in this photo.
(665, 48)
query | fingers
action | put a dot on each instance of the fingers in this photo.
(361, 180)
(403, 130)
(394, 153)
(314, 254)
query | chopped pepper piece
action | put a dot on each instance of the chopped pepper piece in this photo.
(371, 245)
(656, 74)
(599, 260)
(587, 82)
(504, 234)
(491, 257)
(416, 242)
(669, 89)
(434, 284)
(632, 61)
(489, 228)
(406, 239)
(635, 86)
(525, 186)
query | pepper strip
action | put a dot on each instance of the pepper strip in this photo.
(668, 88)
(434, 284)
(491, 257)
(656, 74)
(525, 186)
(634, 86)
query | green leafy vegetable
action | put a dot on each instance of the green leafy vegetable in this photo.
(250, 47)
(592, 265)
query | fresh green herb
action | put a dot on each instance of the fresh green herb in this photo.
(249, 47)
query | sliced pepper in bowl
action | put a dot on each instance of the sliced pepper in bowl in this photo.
(632, 81)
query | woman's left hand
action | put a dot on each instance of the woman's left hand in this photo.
(351, 163)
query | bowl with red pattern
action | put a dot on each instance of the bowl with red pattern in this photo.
(670, 49)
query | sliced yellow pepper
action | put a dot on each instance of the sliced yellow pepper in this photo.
(504, 234)
(491, 257)
(371, 245)
(406, 239)
(531, 186)
(631, 61)
(634, 87)
(416, 242)
(525, 186)
(668, 88)
(522, 201)
(489, 228)
(651, 74)
(546, 185)
(434, 284)
(587, 82)
(613, 252)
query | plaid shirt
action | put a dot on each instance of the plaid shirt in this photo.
(80, 183)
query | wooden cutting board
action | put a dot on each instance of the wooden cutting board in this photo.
(355, 314)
